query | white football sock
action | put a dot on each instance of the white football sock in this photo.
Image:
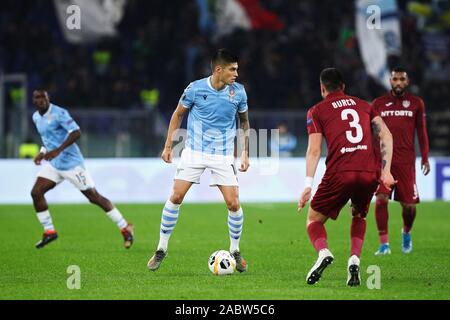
(117, 218)
(46, 220)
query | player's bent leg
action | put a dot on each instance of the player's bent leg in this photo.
(409, 215)
(96, 198)
(381, 218)
(169, 220)
(318, 236)
(357, 233)
(41, 186)
(235, 223)
(126, 229)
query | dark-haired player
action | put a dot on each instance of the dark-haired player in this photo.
(212, 104)
(404, 114)
(346, 123)
(59, 132)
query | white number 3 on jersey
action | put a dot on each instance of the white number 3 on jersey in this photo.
(353, 124)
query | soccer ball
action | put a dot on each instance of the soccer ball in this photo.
(221, 262)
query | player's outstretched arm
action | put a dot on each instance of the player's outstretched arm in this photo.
(244, 126)
(174, 124)
(312, 160)
(73, 136)
(380, 129)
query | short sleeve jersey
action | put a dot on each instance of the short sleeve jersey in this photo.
(54, 127)
(403, 116)
(345, 122)
(212, 115)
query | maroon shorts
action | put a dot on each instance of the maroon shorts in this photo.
(336, 189)
(405, 190)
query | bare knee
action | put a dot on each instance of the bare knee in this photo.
(315, 216)
(409, 208)
(177, 197)
(37, 193)
(94, 200)
(93, 196)
(382, 199)
(233, 205)
(358, 212)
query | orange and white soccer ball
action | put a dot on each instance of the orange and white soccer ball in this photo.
(221, 262)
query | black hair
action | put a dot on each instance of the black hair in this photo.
(40, 88)
(331, 79)
(223, 57)
(399, 69)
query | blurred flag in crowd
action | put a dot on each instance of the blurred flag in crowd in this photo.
(379, 36)
(221, 17)
(88, 20)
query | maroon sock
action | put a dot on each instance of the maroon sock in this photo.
(381, 217)
(357, 232)
(409, 214)
(317, 235)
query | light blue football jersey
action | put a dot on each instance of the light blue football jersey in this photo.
(211, 122)
(54, 127)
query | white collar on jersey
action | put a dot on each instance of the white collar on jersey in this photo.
(210, 85)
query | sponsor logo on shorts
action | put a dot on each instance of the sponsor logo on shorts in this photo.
(353, 149)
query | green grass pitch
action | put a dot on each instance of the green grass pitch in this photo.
(274, 243)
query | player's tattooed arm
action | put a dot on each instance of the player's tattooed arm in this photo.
(383, 155)
(380, 129)
(244, 126)
(375, 129)
(73, 136)
(386, 145)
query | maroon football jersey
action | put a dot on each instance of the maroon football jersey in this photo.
(345, 122)
(403, 115)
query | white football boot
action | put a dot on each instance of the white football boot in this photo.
(323, 261)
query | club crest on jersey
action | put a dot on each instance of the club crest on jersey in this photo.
(406, 103)
(231, 94)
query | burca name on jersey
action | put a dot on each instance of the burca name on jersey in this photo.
(343, 103)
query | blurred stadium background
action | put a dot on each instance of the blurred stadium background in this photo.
(121, 76)
(122, 73)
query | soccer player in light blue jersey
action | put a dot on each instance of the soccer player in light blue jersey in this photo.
(212, 105)
(59, 132)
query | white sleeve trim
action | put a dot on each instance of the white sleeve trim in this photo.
(243, 110)
(70, 131)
